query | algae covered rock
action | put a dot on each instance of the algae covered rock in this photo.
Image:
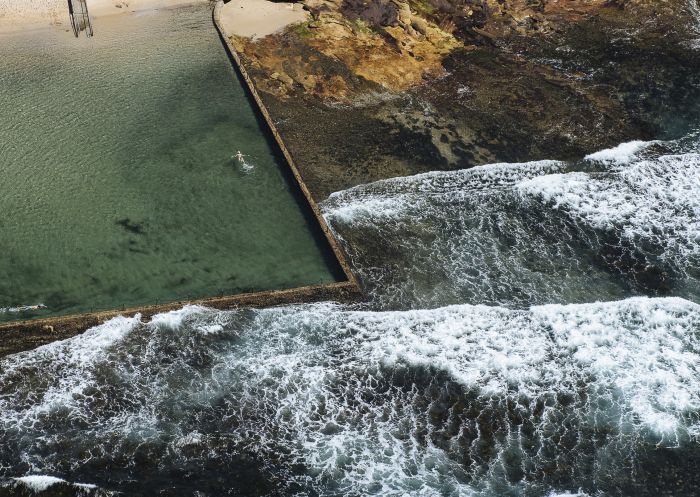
(416, 85)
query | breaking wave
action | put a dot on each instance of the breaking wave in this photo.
(621, 222)
(323, 400)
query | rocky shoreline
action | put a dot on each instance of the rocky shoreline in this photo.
(369, 90)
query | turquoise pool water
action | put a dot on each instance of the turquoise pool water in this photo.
(121, 178)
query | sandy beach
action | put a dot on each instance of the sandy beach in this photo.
(247, 18)
(259, 18)
(18, 15)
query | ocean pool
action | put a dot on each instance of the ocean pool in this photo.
(134, 170)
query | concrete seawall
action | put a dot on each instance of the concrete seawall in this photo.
(26, 335)
(236, 59)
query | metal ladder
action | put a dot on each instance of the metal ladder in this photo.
(79, 17)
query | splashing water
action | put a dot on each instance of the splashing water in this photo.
(321, 400)
(622, 222)
(21, 308)
(695, 13)
(244, 165)
(651, 205)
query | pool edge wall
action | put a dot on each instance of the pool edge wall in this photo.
(18, 336)
(25, 335)
(272, 128)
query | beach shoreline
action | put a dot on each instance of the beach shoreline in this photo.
(26, 15)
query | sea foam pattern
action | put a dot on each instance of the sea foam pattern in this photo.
(622, 222)
(652, 205)
(321, 400)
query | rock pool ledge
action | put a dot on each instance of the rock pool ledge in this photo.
(25, 335)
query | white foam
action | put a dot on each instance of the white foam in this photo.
(499, 351)
(622, 153)
(385, 207)
(21, 308)
(649, 201)
(87, 348)
(567, 494)
(211, 329)
(86, 486)
(461, 236)
(640, 353)
(321, 386)
(192, 438)
(484, 177)
(173, 319)
(694, 7)
(651, 363)
(69, 362)
(39, 483)
(503, 233)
